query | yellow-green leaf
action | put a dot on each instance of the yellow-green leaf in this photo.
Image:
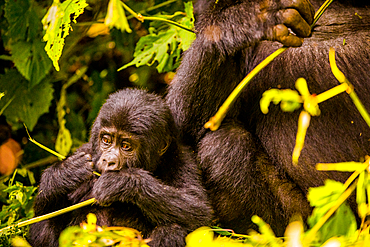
(116, 16)
(63, 143)
(57, 23)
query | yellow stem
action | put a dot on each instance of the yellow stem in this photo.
(342, 79)
(148, 18)
(341, 166)
(331, 92)
(320, 11)
(62, 157)
(6, 105)
(50, 215)
(216, 120)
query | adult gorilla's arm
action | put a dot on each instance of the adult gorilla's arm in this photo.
(210, 68)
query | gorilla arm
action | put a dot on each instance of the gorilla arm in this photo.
(231, 27)
(57, 182)
(61, 179)
(214, 60)
(162, 204)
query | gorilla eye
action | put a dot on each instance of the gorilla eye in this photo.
(106, 139)
(126, 146)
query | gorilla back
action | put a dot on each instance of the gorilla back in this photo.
(339, 134)
(247, 162)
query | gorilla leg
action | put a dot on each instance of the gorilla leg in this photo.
(242, 182)
(169, 235)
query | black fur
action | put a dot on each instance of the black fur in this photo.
(247, 163)
(157, 193)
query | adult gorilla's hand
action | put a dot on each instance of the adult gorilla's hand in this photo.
(296, 15)
(243, 24)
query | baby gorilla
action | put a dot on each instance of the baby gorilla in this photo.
(148, 180)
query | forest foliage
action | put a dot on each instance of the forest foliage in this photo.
(60, 60)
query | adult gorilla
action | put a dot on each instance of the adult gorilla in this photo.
(148, 180)
(247, 163)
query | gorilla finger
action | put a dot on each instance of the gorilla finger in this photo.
(78, 154)
(104, 203)
(304, 7)
(88, 157)
(292, 19)
(281, 34)
(90, 164)
(82, 157)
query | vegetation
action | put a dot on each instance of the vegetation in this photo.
(60, 60)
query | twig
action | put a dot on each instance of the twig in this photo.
(62, 157)
(50, 215)
(216, 120)
(6, 105)
(321, 11)
(343, 79)
(149, 18)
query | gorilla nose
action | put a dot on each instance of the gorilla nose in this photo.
(111, 165)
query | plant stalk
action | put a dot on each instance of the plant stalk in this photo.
(149, 18)
(215, 121)
(50, 215)
(343, 79)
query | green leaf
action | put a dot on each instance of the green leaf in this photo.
(58, 23)
(63, 143)
(165, 43)
(23, 20)
(342, 223)
(31, 60)
(26, 105)
(27, 51)
(189, 13)
(323, 195)
(323, 198)
(185, 36)
(156, 47)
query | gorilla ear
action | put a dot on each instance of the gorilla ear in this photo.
(164, 149)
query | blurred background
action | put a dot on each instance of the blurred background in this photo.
(59, 107)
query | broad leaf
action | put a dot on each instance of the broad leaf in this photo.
(31, 60)
(342, 222)
(58, 22)
(22, 18)
(186, 37)
(156, 48)
(164, 45)
(27, 51)
(25, 105)
(64, 142)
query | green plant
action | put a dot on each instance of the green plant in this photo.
(44, 47)
(17, 207)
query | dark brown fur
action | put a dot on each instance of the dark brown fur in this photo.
(247, 163)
